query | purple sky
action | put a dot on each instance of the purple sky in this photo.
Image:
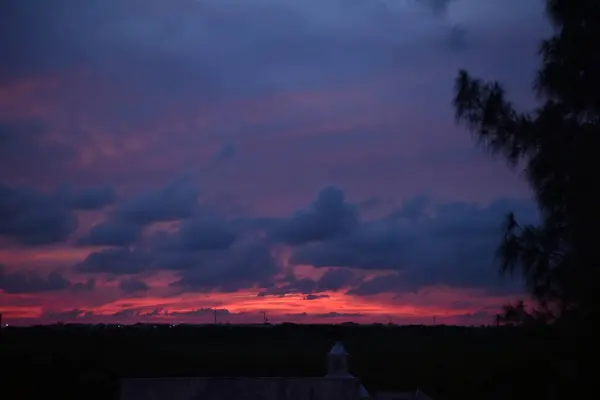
(187, 155)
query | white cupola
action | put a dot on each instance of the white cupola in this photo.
(337, 362)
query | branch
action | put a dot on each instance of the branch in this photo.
(484, 110)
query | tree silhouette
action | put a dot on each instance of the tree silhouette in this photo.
(556, 145)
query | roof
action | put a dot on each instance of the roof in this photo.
(239, 389)
(362, 393)
(338, 349)
(413, 395)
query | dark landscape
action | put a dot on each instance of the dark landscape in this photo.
(78, 361)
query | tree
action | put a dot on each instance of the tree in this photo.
(556, 145)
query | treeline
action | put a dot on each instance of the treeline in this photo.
(69, 362)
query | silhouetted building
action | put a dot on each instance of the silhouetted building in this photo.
(338, 384)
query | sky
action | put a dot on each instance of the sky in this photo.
(169, 161)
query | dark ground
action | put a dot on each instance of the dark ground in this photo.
(85, 362)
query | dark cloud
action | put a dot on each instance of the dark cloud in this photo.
(331, 280)
(421, 244)
(281, 43)
(329, 216)
(226, 151)
(127, 313)
(201, 312)
(133, 285)
(316, 296)
(30, 282)
(68, 315)
(438, 7)
(155, 312)
(332, 314)
(453, 244)
(86, 286)
(229, 271)
(203, 233)
(117, 261)
(26, 149)
(175, 201)
(34, 218)
(89, 198)
(112, 233)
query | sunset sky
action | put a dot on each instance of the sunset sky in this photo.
(160, 159)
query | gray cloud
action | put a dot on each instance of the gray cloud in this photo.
(112, 233)
(202, 233)
(229, 271)
(34, 218)
(422, 244)
(133, 285)
(175, 201)
(438, 7)
(226, 151)
(328, 216)
(332, 314)
(86, 286)
(116, 261)
(26, 149)
(29, 282)
(87, 198)
(316, 296)
(260, 44)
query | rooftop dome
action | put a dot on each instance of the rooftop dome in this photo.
(338, 350)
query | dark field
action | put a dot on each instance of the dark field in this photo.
(86, 362)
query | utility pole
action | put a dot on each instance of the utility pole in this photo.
(265, 319)
(215, 313)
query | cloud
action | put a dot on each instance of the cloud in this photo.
(88, 198)
(29, 282)
(112, 233)
(116, 261)
(331, 280)
(316, 296)
(229, 271)
(175, 201)
(202, 233)
(133, 285)
(327, 217)
(421, 244)
(201, 312)
(438, 7)
(86, 286)
(34, 218)
(226, 151)
(328, 315)
(26, 149)
(68, 315)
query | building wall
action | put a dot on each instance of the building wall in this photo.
(239, 389)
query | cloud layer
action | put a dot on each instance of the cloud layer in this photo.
(160, 160)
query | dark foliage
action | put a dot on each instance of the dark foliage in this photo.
(75, 362)
(557, 145)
